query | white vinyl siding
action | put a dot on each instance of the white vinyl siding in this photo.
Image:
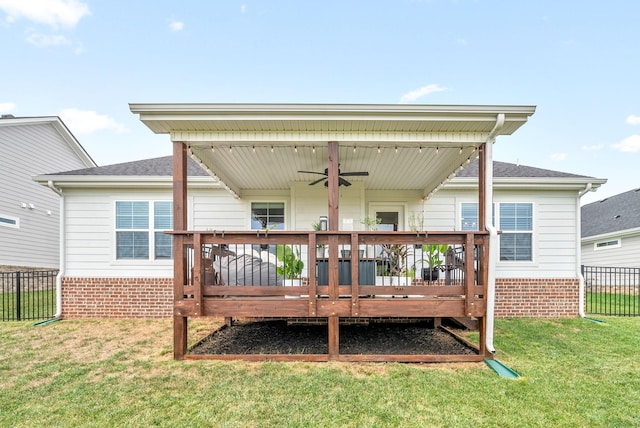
(627, 254)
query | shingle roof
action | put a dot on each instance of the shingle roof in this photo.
(148, 167)
(511, 170)
(613, 214)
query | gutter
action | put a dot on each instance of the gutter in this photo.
(58, 313)
(493, 233)
(581, 282)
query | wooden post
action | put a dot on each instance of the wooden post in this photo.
(333, 184)
(179, 256)
(333, 326)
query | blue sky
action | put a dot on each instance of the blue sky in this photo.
(577, 61)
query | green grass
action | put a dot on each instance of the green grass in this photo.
(574, 373)
(613, 304)
(34, 305)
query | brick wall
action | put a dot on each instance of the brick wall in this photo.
(153, 298)
(536, 297)
(117, 297)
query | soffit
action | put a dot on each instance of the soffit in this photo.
(262, 146)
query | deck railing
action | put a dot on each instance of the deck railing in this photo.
(227, 273)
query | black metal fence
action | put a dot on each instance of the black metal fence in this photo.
(612, 290)
(27, 295)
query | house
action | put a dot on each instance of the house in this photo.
(259, 176)
(611, 231)
(30, 213)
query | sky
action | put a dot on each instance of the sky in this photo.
(576, 60)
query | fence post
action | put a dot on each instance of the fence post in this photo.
(18, 314)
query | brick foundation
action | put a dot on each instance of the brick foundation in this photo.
(536, 297)
(117, 297)
(153, 298)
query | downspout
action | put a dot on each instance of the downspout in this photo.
(581, 283)
(493, 232)
(58, 313)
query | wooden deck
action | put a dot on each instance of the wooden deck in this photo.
(210, 282)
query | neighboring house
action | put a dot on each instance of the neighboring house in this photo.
(536, 210)
(30, 213)
(611, 231)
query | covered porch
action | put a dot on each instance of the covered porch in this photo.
(256, 149)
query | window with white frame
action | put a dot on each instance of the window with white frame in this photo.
(140, 227)
(9, 221)
(516, 225)
(267, 215)
(469, 216)
(611, 243)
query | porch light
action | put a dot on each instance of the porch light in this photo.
(253, 148)
(378, 149)
(313, 149)
(460, 152)
(420, 149)
(295, 149)
(354, 149)
(271, 149)
(324, 222)
(396, 149)
(437, 149)
(230, 149)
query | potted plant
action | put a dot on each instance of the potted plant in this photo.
(290, 265)
(319, 247)
(396, 256)
(433, 256)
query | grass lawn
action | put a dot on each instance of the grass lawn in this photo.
(34, 305)
(575, 373)
(613, 304)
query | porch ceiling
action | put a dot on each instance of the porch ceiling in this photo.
(263, 146)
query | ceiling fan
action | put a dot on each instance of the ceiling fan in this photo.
(341, 181)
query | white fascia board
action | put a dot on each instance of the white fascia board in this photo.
(305, 109)
(83, 181)
(617, 234)
(558, 183)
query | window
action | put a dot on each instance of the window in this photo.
(8, 221)
(135, 238)
(469, 216)
(613, 243)
(516, 224)
(267, 215)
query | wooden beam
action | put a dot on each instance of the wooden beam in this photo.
(333, 183)
(333, 327)
(179, 263)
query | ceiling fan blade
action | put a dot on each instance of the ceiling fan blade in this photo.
(343, 182)
(354, 174)
(317, 181)
(312, 172)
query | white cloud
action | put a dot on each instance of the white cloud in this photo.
(558, 156)
(629, 144)
(46, 40)
(64, 13)
(421, 92)
(593, 147)
(87, 121)
(243, 8)
(633, 120)
(176, 25)
(7, 107)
